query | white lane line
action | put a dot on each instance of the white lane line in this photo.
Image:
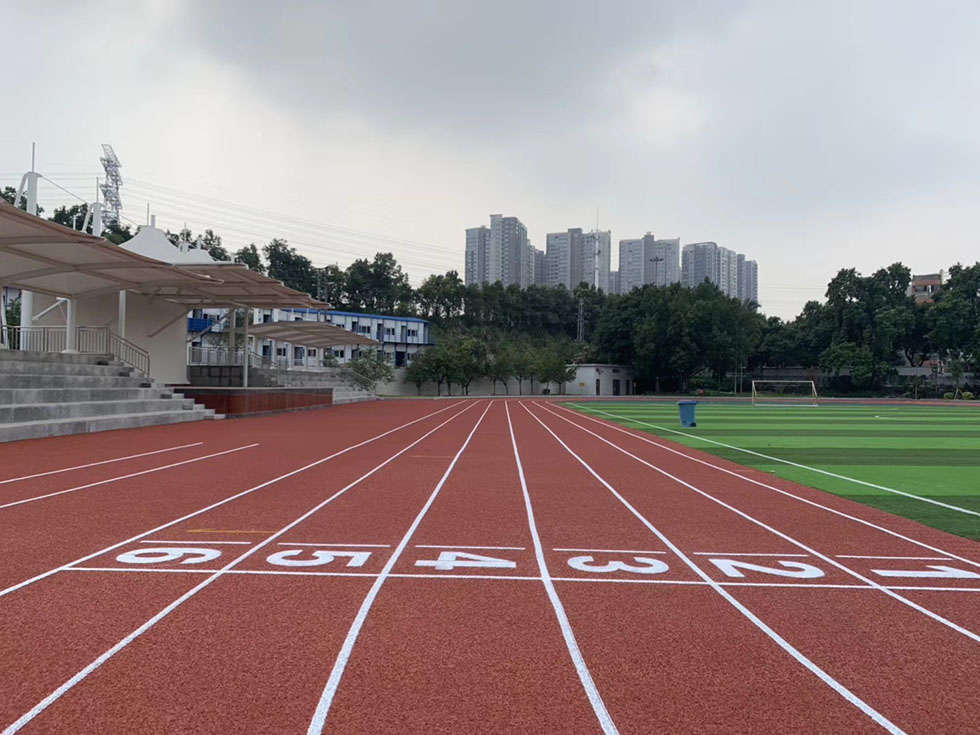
(903, 558)
(126, 477)
(485, 548)
(230, 498)
(796, 464)
(826, 678)
(584, 675)
(725, 553)
(195, 541)
(339, 546)
(511, 577)
(615, 551)
(337, 672)
(67, 686)
(698, 460)
(786, 537)
(104, 461)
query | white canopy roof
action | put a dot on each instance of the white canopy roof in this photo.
(313, 334)
(38, 255)
(153, 243)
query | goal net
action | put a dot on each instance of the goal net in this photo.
(784, 393)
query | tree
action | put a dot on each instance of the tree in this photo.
(211, 242)
(499, 365)
(73, 216)
(249, 256)
(288, 266)
(379, 286)
(331, 285)
(367, 372)
(522, 364)
(423, 369)
(9, 194)
(551, 366)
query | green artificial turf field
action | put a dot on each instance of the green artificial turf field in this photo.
(928, 451)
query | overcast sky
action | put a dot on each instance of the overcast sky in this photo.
(810, 136)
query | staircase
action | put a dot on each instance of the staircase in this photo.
(345, 390)
(51, 394)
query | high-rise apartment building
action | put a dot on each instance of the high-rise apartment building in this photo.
(501, 252)
(477, 243)
(647, 260)
(729, 271)
(748, 280)
(596, 252)
(563, 257)
(699, 263)
(664, 264)
(540, 268)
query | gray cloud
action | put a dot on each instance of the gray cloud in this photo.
(811, 136)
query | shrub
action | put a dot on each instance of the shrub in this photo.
(967, 395)
(948, 396)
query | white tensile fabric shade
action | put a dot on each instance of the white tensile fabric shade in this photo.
(310, 334)
(44, 257)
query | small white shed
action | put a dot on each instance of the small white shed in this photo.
(601, 379)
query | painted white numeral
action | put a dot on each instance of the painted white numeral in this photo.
(939, 571)
(649, 566)
(796, 569)
(159, 554)
(451, 559)
(319, 557)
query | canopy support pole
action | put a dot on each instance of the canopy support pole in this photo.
(121, 322)
(71, 327)
(248, 318)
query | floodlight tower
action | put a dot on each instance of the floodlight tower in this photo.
(113, 181)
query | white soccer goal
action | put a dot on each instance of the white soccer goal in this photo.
(784, 393)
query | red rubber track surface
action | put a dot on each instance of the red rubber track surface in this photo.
(403, 587)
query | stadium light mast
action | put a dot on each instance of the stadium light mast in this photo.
(113, 182)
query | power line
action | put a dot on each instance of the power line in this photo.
(291, 218)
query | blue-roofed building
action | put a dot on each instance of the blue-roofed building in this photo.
(401, 337)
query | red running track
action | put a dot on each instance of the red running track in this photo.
(504, 566)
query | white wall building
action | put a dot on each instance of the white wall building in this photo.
(401, 337)
(599, 379)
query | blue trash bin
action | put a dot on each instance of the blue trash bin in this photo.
(687, 412)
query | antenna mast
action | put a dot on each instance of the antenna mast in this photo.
(113, 181)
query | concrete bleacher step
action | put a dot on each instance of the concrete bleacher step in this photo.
(38, 411)
(53, 394)
(51, 380)
(61, 427)
(75, 395)
(57, 357)
(39, 367)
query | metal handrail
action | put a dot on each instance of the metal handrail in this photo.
(129, 353)
(213, 356)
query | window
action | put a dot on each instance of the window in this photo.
(366, 329)
(338, 353)
(311, 352)
(280, 351)
(389, 331)
(413, 333)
